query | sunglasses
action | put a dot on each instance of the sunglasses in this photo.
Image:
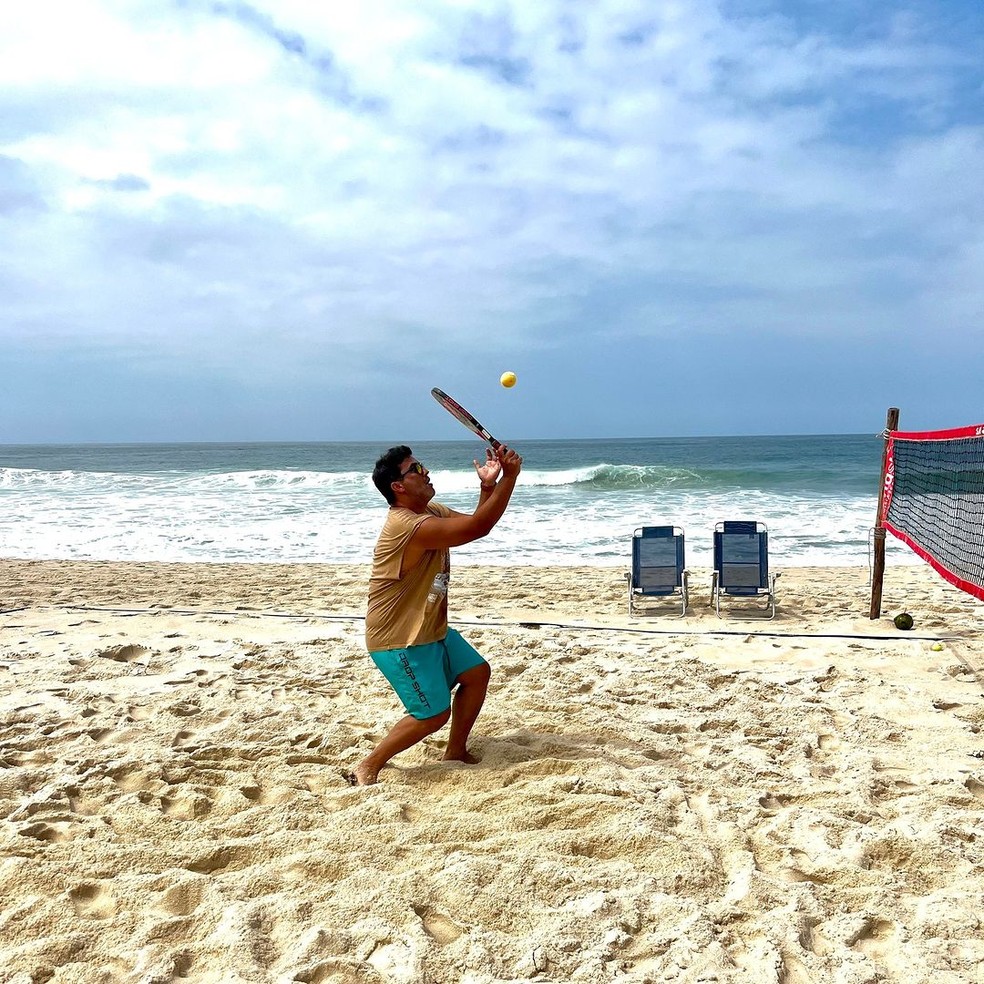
(415, 469)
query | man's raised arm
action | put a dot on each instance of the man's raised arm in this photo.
(439, 532)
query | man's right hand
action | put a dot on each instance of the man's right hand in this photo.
(438, 532)
(511, 461)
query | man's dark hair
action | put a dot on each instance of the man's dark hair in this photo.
(387, 471)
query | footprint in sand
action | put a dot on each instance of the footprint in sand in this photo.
(772, 803)
(124, 654)
(49, 833)
(185, 708)
(84, 804)
(186, 806)
(225, 858)
(183, 739)
(510, 669)
(93, 901)
(437, 926)
(131, 778)
(254, 793)
(91, 711)
(336, 970)
(183, 898)
(875, 938)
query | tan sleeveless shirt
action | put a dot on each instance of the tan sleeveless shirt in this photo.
(399, 613)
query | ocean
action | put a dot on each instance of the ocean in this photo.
(577, 502)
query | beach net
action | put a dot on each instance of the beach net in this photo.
(934, 500)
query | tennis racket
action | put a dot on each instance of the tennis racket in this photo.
(457, 410)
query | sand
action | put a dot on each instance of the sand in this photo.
(659, 799)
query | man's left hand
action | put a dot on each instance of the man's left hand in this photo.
(488, 471)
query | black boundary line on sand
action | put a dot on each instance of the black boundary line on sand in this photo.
(525, 624)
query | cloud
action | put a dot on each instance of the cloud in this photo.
(124, 183)
(251, 187)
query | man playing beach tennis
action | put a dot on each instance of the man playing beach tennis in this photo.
(407, 631)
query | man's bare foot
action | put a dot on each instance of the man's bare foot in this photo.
(465, 757)
(362, 775)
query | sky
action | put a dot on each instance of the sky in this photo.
(258, 221)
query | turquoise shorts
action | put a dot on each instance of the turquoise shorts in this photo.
(424, 676)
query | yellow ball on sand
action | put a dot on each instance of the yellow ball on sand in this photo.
(937, 647)
(508, 379)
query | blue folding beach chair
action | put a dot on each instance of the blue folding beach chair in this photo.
(657, 565)
(741, 564)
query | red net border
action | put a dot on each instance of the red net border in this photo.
(954, 433)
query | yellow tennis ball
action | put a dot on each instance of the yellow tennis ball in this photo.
(508, 379)
(937, 647)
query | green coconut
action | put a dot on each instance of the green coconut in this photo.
(903, 621)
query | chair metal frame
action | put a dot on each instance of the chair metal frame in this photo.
(741, 564)
(664, 579)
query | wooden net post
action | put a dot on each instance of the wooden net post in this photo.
(878, 564)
